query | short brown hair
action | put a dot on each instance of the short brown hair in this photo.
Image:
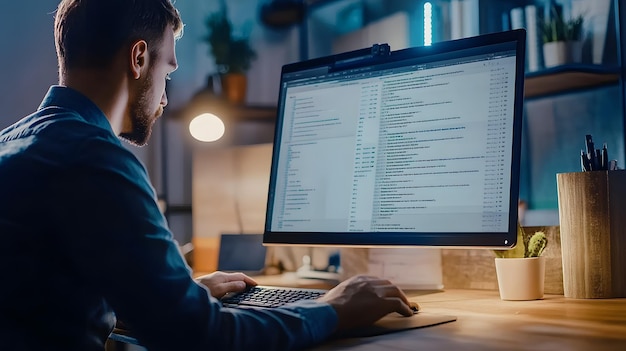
(89, 33)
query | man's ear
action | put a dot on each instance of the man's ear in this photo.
(139, 58)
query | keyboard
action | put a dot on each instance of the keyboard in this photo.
(270, 296)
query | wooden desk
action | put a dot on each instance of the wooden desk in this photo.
(484, 322)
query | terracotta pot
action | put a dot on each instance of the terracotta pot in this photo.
(234, 87)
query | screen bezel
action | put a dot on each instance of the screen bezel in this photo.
(404, 239)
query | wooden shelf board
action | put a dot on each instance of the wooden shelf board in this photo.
(259, 113)
(568, 78)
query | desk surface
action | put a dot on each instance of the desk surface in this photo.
(484, 322)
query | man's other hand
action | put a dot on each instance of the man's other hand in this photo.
(362, 300)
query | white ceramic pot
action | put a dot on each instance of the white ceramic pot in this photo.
(521, 278)
(562, 52)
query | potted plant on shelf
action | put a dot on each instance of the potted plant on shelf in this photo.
(562, 39)
(233, 54)
(520, 271)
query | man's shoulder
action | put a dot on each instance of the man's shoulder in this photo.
(67, 124)
(61, 136)
(58, 123)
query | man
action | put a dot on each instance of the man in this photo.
(83, 240)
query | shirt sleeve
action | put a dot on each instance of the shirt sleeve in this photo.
(119, 243)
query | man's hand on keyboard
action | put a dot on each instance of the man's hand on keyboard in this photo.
(362, 300)
(220, 283)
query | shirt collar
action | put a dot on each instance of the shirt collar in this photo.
(68, 98)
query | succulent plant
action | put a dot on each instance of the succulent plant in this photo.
(518, 250)
(532, 247)
(536, 244)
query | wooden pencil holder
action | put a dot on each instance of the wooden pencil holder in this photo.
(592, 216)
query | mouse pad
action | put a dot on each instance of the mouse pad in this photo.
(394, 323)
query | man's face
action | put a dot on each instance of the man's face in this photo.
(149, 98)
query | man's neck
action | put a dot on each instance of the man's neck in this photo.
(108, 92)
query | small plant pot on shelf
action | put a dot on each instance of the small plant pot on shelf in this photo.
(235, 86)
(558, 53)
(521, 278)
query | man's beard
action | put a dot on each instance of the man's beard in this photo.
(141, 120)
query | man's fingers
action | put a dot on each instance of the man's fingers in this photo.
(235, 286)
(224, 288)
(387, 291)
(400, 306)
(395, 298)
(231, 277)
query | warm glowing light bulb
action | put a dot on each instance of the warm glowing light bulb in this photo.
(206, 127)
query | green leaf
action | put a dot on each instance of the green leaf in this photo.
(232, 54)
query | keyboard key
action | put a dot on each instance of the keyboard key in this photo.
(270, 297)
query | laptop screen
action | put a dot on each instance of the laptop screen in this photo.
(415, 147)
(241, 253)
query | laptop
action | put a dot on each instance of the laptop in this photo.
(241, 253)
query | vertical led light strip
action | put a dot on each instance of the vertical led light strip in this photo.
(428, 24)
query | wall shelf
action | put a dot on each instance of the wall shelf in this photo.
(206, 101)
(565, 78)
(258, 113)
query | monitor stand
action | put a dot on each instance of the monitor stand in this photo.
(307, 271)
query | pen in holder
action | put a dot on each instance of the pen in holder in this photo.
(593, 232)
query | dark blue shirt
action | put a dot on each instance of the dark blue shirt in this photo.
(82, 241)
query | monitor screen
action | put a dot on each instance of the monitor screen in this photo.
(416, 147)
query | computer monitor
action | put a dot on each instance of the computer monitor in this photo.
(415, 147)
